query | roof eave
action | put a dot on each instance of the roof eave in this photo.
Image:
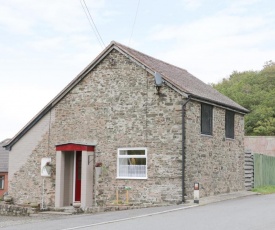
(219, 104)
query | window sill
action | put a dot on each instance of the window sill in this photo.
(132, 178)
(229, 139)
(206, 135)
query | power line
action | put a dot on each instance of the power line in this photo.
(134, 23)
(92, 24)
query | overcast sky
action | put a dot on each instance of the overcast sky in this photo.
(46, 43)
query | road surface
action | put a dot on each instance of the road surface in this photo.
(254, 213)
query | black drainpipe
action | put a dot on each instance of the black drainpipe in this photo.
(183, 146)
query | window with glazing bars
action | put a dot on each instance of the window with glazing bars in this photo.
(132, 163)
(206, 119)
(229, 124)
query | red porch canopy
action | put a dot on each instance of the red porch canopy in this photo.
(74, 147)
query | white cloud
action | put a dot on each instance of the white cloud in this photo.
(240, 6)
(191, 4)
(47, 44)
(59, 16)
(18, 114)
(215, 26)
(13, 20)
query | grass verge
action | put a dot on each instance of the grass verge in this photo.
(265, 189)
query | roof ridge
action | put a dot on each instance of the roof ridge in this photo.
(119, 44)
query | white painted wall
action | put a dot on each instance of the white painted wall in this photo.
(24, 147)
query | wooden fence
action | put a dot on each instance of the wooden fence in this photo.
(264, 170)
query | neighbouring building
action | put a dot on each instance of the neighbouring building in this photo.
(155, 128)
(4, 163)
(260, 144)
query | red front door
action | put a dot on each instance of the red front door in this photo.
(78, 162)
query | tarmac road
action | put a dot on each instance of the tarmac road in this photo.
(249, 212)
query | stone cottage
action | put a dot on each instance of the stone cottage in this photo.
(4, 163)
(155, 128)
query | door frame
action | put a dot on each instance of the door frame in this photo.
(74, 176)
(87, 172)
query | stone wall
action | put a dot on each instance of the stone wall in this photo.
(25, 181)
(13, 210)
(117, 106)
(216, 162)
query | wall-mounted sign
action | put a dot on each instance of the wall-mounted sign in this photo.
(46, 167)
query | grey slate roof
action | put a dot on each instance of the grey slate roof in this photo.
(4, 156)
(176, 76)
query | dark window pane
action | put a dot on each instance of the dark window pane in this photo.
(206, 119)
(136, 152)
(229, 124)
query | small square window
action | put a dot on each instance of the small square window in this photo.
(132, 163)
(2, 182)
(229, 124)
(206, 119)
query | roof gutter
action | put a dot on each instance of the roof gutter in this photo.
(183, 146)
(218, 104)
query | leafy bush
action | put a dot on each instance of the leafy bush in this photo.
(254, 90)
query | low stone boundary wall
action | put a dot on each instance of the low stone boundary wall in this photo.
(13, 210)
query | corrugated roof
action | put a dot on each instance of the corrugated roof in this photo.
(4, 157)
(176, 76)
(182, 79)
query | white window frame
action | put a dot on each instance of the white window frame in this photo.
(2, 178)
(131, 156)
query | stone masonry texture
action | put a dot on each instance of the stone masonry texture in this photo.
(116, 105)
(216, 162)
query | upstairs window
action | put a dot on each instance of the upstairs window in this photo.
(229, 124)
(2, 182)
(206, 119)
(132, 163)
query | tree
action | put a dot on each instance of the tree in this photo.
(254, 90)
